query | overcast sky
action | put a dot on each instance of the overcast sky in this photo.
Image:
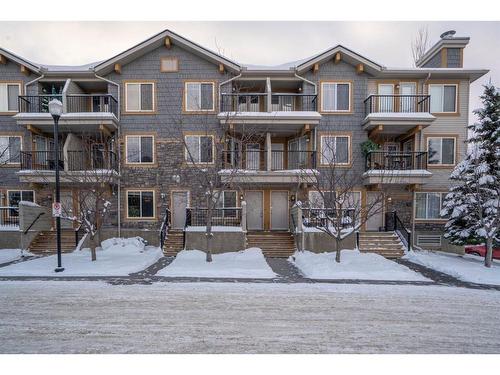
(267, 43)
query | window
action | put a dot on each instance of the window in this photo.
(335, 97)
(140, 204)
(199, 96)
(335, 149)
(10, 150)
(139, 97)
(16, 196)
(227, 200)
(441, 151)
(169, 64)
(428, 205)
(9, 93)
(140, 149)
(199, 148)
(443, 98)
(428, 240)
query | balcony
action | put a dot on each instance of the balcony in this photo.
(260, 166)
(405, 168)
(267, 108)
(74, 166)
(80, 112)
(396, 114)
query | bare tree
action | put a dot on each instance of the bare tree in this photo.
(420, 44)
(336, 206)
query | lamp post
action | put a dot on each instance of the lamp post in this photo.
(55, 109)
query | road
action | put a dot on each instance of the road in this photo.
(95, 317)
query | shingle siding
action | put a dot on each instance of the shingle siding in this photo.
(434, 62)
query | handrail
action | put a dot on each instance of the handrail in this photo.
(33, 222)
(164, 227)
(77, 235)
(375, 103)
(399, 228)
(387, 160)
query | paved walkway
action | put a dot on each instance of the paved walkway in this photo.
(286, 271)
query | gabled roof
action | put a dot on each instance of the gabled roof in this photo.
(20, 60)
(448, 42)
(157, 40)
(347, 56)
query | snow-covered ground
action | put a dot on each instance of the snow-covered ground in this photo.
(94, 317)
(353, 265)
(249, 263)
(466, 268)
(117, 257)
(9, 255)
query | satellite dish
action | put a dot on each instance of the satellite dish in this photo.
(448, 34)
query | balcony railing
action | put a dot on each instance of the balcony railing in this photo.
(396, 104)
(9, 217)
(104, 103)
(258, 102)
(280, 160)
(324, 217)
(71, 161)
(228, 217)
(396, 161)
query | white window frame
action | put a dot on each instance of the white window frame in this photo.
(140, 204)
(441, 199)
(7, 84)
(17, 190)
(336, 98)
(454, 151)
(140, 150)
(443, 84)
(153, 94)
(8, 150)
(199, 83)
(199, 136)
(326, 162)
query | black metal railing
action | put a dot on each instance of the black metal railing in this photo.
(257, 102)
(228, 217)
(92, 103)
(74, 103)
(36, 103)
(72, 161)
(280, 160)
(395, 161)
(397, 103)
(394, 223)
(9, 217)
(165, 226)
(325, 217)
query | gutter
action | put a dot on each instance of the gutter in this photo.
(119, 215)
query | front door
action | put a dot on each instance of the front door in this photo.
(386, 98)
(255, 210)
(408, 101)
(279, 210)
(180, 201)
(375, 211)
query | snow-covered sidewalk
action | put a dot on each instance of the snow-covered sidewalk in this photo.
(468, 268)
(353, 265)
(9, 255)
(117, 257)
(249, 263)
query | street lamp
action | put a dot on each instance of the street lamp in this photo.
(55, 109)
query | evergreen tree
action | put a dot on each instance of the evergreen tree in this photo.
(472, 206)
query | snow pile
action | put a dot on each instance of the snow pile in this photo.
(28, 203)
(9, 255)
(353, 265)
(116, 257)
(249, 263)
(217, 228)
(466, 268)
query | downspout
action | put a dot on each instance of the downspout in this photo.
(119, 215)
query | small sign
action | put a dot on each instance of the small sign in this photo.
(56, 209)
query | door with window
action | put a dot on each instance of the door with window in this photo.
(277, 151)
(407, 101)
(386, 97)
(180, 200)
(252, 156)
(297, 153)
